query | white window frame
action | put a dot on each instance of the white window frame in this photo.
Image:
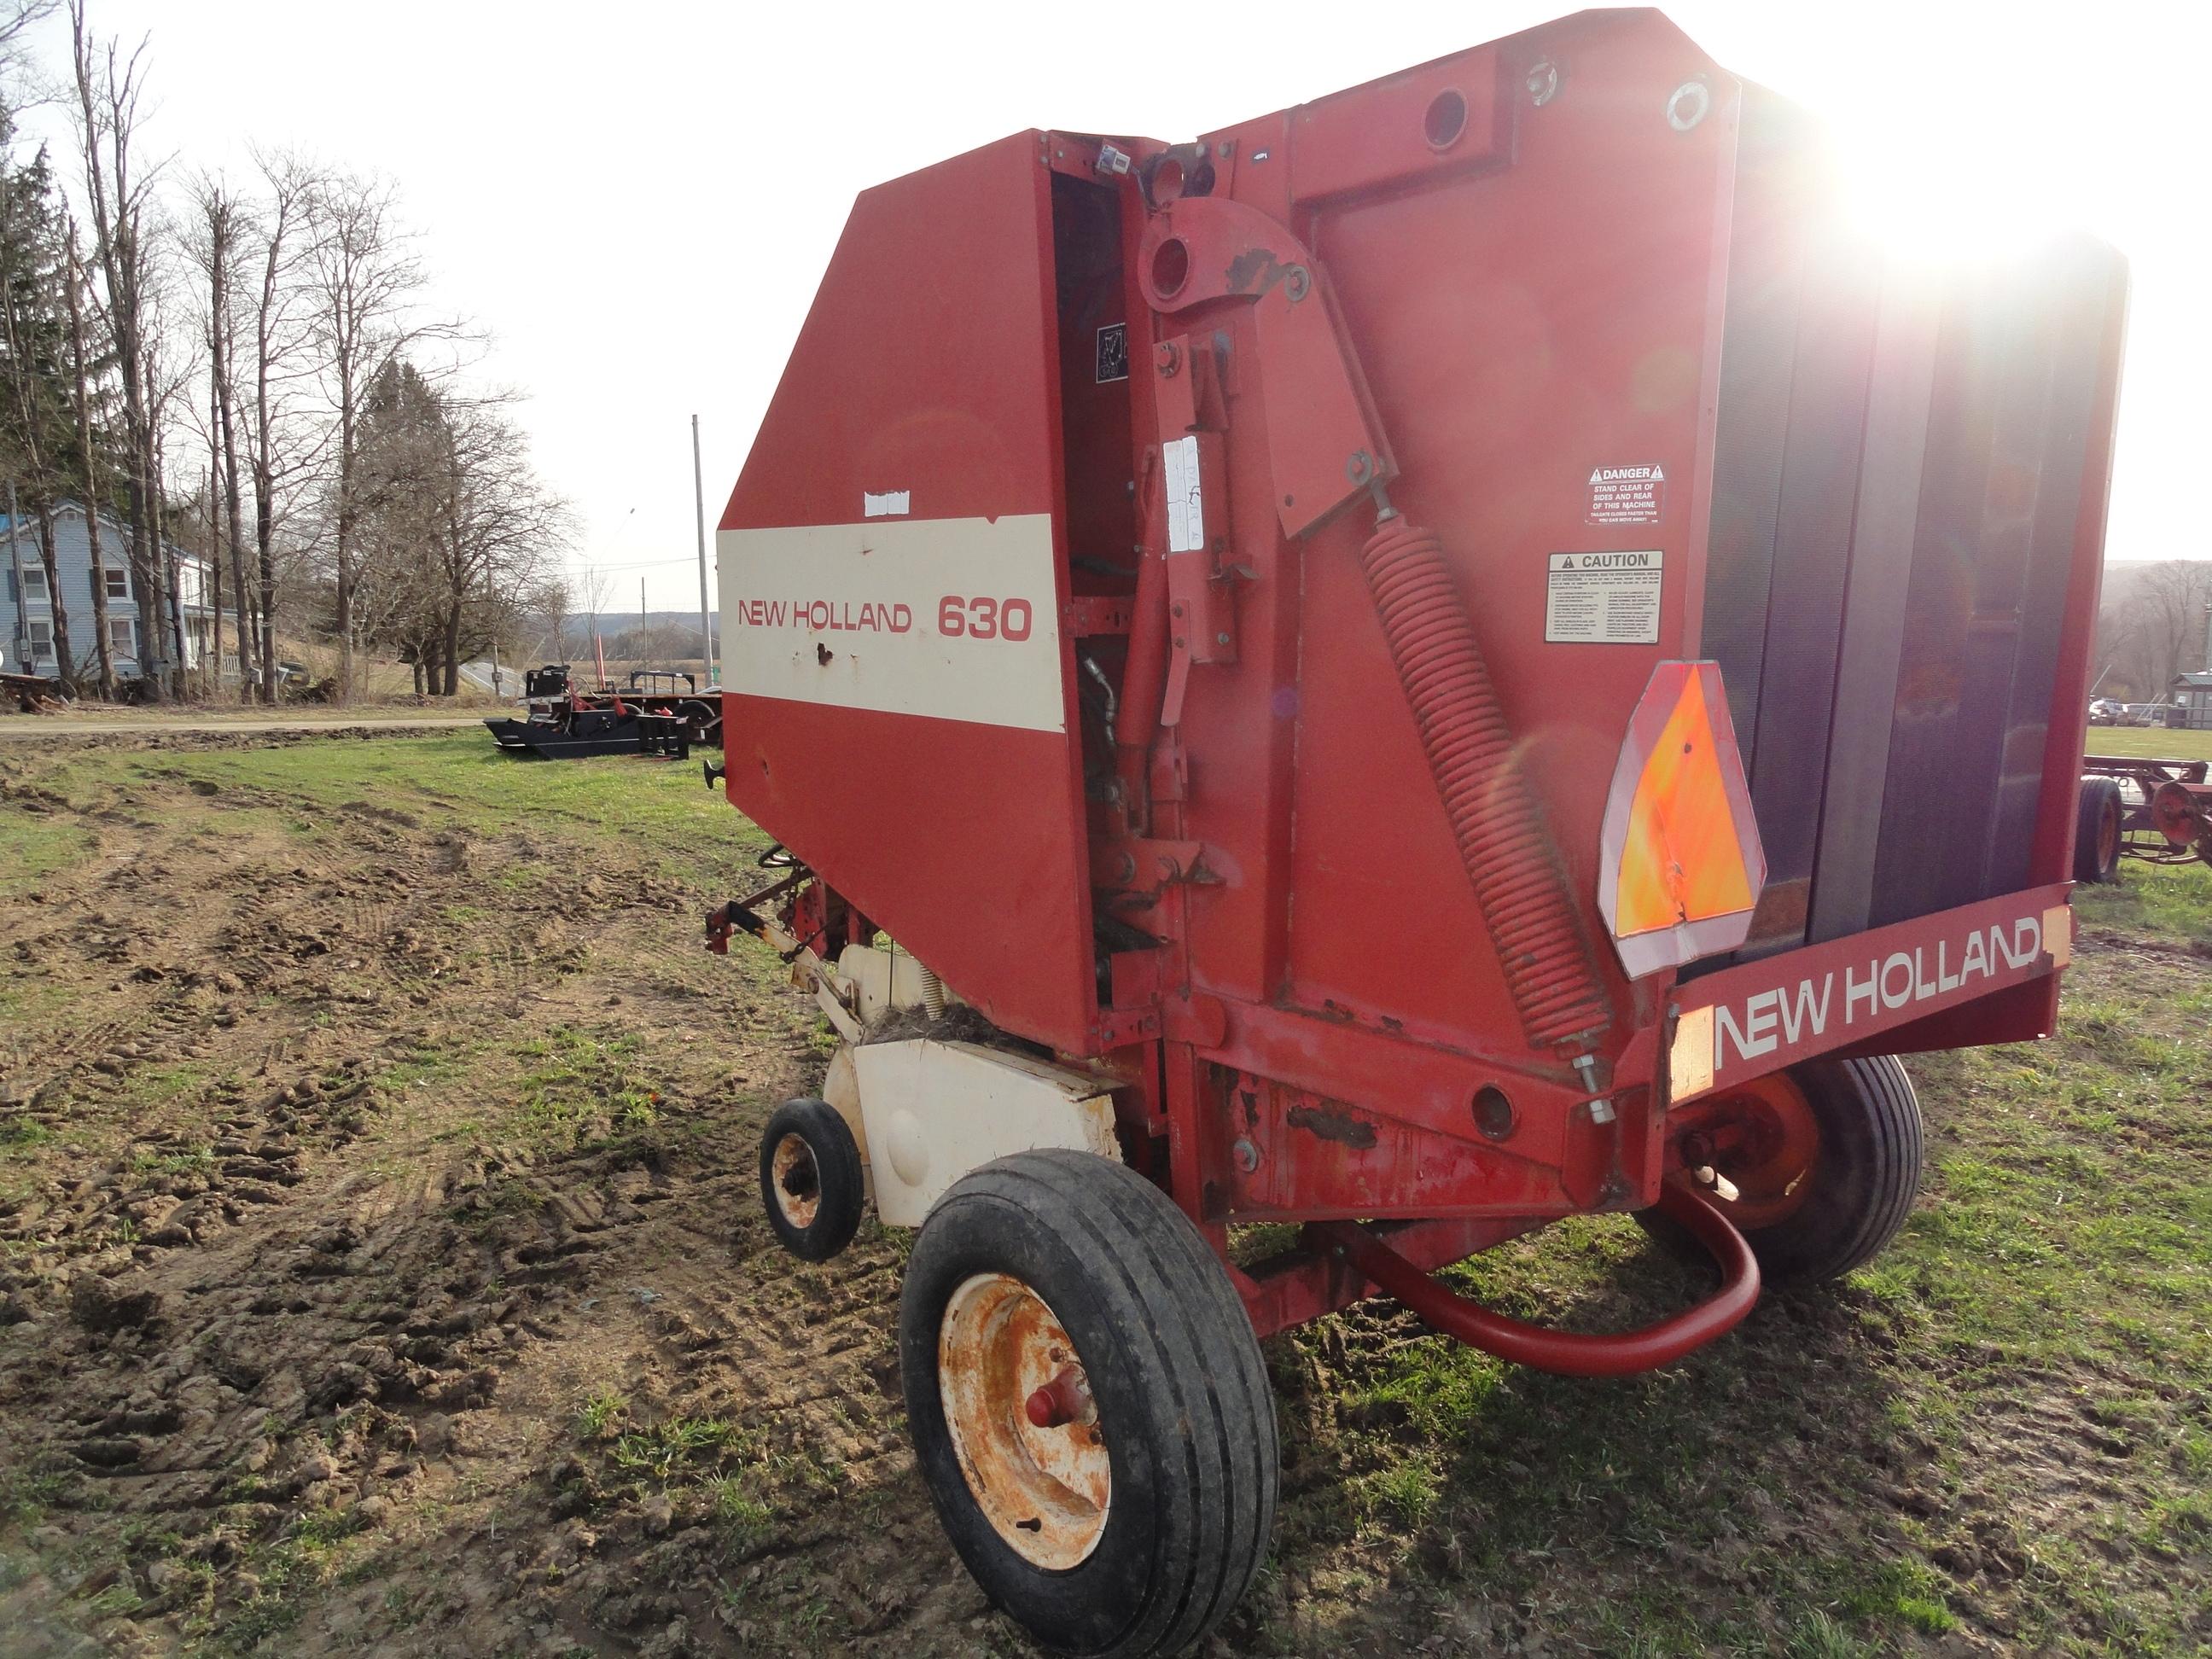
(127, 646)
(42, 649)
(117, 579)
(42, 595)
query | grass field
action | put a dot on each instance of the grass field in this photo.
(2149, 741)
(550, 1388)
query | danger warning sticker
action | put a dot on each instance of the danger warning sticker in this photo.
(1602, 598)
(1626, 494)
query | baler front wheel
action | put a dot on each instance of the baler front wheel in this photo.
(1088, 1405)
(1817, 1166)
(810, 1180)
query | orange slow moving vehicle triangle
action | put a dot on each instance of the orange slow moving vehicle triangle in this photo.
(1682, 861)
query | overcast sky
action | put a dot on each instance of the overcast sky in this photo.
(638, 200)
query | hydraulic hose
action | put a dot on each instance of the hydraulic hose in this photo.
(1570, 1354)
(1494, 812)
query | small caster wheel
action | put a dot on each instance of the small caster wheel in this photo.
(810, 1180)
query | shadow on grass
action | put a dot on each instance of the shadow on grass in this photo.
(1746, 1499)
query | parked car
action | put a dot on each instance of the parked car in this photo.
(2106, 711)
(2144, 714)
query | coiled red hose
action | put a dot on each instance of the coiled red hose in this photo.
(1494, 813)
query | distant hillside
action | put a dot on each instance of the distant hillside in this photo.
(629, 636)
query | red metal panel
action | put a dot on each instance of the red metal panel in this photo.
(1518, 330)
(929, 365)
(926, 362)
(1338, 147)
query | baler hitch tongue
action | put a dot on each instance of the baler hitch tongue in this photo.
(1569, 1353)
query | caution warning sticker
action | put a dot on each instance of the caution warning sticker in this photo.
(1626, 494)
(1602, 598)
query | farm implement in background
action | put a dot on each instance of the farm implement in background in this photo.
(660, 712)
(2157, 811)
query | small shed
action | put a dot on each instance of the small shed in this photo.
(2192, 696)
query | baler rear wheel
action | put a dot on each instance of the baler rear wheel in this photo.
(2097, 831)
(1825, 1158)
(1088, 1405)
(810, 1180)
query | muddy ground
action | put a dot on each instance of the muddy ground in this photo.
(381, 1271)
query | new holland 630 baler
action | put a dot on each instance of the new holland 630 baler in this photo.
(1449, 657)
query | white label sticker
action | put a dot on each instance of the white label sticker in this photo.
(1626, 494)
(890, 503)
(1604, 598)
(953, 618)
(1186, 511)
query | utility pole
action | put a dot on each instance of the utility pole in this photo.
(699, 516)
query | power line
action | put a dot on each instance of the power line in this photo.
(637, 564)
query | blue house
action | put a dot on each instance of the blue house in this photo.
(26, 609)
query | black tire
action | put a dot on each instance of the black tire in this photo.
(1862, 1184)
(1181, 1394)
(810, 1180)
(2097, 831)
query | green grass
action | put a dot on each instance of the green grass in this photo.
(2170, 903)
(2149, 742)
(453, 780)
(33, 845)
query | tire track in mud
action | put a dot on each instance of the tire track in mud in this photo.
(282, 1297)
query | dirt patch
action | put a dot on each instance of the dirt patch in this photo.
(346, 1169)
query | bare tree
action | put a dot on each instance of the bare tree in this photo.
(282, 447)
(167, 374)
(549, 603)
(216, 252)
(109, 87)
(368, 287)
(2159, 630)
(497, 526)
(87, 459)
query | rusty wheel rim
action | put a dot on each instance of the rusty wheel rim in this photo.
(1023, 1422)
(1762, 1139)
(796, 1181)
(2108, 836)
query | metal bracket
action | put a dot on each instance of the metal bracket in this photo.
(1120, 1027)
(1141, 864)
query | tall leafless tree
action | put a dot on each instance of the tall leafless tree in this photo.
(88, 465)
(369, 290)
(109, 85)
(216, 250)
(282, 447)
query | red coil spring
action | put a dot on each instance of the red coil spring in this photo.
(1494, 813)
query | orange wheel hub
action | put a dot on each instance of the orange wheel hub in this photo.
(1761, 1138)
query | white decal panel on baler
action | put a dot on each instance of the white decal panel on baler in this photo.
(954, 618)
